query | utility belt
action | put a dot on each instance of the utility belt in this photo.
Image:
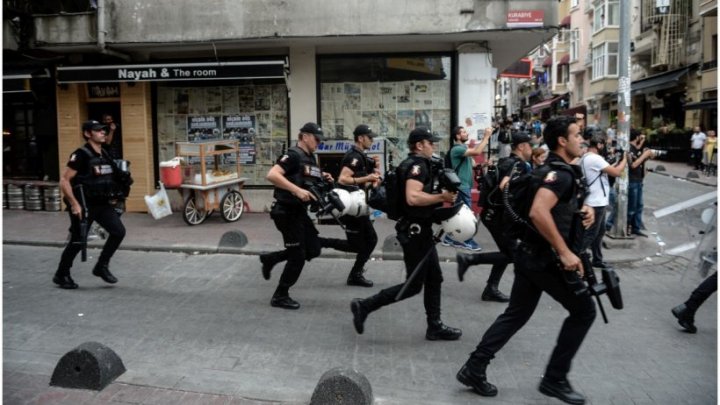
(411, 227)
(280, 207)
(102, 194)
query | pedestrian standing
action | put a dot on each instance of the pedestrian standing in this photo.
(540, 261)
(90, 185)
(461, 160)
(697, 143)
(596, 171)
(415, 234)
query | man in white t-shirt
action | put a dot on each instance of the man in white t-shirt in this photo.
(596, 170)
(697, 143)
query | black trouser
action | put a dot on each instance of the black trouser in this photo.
(104, 215)
(535, 273)
(702, 292)
(361, 239)
(301, 243)
(592, 237)
(696, 157)
(415, 247)
(499, 260)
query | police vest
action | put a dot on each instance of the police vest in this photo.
(308, 173)
(365, 167)
(417, 212)
(97, 178)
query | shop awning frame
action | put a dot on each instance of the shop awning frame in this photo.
(535, 108)
(658, 82)
(163, 72)
(18, 80)
(708, 104)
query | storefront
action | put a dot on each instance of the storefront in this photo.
(391, 93)
(157, 105)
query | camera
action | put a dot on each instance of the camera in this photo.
(326, 201)
(615, 156)
(446, 178)
(658, 152)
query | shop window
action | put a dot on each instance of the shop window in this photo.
(254, 114)
(392, 94)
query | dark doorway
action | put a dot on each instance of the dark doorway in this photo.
(98, 112)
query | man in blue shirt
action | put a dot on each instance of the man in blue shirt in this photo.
(461, 158)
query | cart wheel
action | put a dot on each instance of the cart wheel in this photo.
(232, 206)
(192, 214)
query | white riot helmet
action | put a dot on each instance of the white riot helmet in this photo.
(461, 226)
(359, 206)
(346, 199)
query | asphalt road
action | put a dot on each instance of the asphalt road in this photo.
(199, 327)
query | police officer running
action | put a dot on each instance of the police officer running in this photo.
(291, 175)
(492, 217)
(415, 235)
(91, 175)
(553, 243)
(357, 171)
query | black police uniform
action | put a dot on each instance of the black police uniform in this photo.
(96, 173)
(414, 232)
(291, 218)
(492, 218)
(361, 235)
(536, 270)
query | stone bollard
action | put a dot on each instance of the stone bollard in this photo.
(660, 168)
(342, 386)
(89, 366)
(693, 175)
(391, 248)
(233, 239)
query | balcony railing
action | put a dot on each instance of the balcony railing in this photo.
(709, 65)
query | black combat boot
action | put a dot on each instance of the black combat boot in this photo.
(685, 317)
(269, 260)
(437, 330)
(284, 301)
(360, 312)
(472, 374)
(63, 280)
(491, 293)
(464, 261)
(357, 278)
(101, 270)
(561, 390)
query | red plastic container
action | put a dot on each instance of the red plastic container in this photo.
(170, 174)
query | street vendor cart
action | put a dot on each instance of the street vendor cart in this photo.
(211, 180)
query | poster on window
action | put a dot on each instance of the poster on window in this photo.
(263, 98)
(213, 100)
(230, 100)
(203, 128)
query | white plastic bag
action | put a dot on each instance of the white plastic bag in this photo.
(159, 204)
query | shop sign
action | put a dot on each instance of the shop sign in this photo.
(525, 18)
(103, 90)
(273, 69)
(341, 146)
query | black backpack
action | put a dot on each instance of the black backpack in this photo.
(388, 196)
(448, 160)
(519, 195)
(488, 181)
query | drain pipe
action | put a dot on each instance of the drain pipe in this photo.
(101, 33)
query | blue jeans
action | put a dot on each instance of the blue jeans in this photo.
(610, 209)
(635, 206)
(465, 196)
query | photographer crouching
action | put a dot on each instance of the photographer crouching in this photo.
(292, 175)
(419, 197)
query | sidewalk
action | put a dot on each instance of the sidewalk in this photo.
(171, 234)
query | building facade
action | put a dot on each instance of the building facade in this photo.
(172, 71)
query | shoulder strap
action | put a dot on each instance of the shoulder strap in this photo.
(582, 167)
(464, 158)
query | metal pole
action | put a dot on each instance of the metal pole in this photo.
(624, 116)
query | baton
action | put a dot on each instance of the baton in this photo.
(436, 239)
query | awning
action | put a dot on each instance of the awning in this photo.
(18, 80)
(658, 82)
(565, 60)
(547, 62)
(709, 104)
(162, 72)
(544, 104)
(565, 21)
